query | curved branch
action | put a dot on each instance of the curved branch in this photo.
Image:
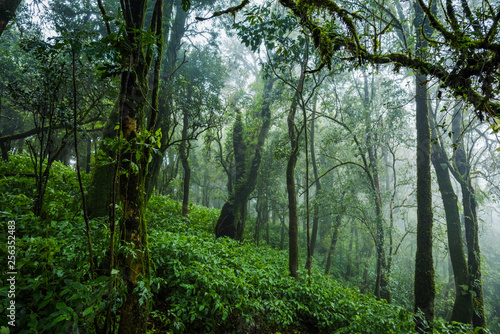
(230, 10)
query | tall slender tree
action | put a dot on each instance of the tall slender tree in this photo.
(425, 290)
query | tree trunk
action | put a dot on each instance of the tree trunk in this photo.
(293, 219)
(462, 307)
(425, 290)
(174, 35)
(329, 259)
(233, 218)
(424, 266)
(315, 222)
(7, 12)
(185, 185)
(184, 155)
(462, 174)
(134, 263)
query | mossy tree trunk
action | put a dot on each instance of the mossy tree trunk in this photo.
(424, 266)
(317, 183)
(174, 32)
(231, 221)
(462, 306)
(134, 156)
(293, 218)
(462, 173)
(424, 286)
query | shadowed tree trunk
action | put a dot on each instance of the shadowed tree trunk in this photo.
(174, 31)
(462, 306)
(424, 266)
(315, 222)
(329, 259)
(130, 114)
(425, 290)
(462, 173)
(184, 155)
(293, 219)
(231, 221)
(7, 12)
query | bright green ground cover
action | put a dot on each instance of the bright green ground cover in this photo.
(199, 285)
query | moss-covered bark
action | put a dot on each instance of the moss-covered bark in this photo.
(462, 172)
(462, 306)
(293, 218)
(424, 266)
(133, 157)
(174, 32)
(233, 215)
(424, 285)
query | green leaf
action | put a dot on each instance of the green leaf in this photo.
(87, 311)
(61, 305)
(60, 318)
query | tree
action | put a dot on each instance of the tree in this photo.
(197, 88)
(462, 307)
(7, 12)
(472, 50)
(462, 173)
(231, 221)
(425, 289)
(135, 140)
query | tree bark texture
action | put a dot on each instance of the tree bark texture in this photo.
(424, 266)
(462, 172)
(293, 218)
(233, 217)
(462, 306)
(166, 122)
(424, 290)
(134, 92)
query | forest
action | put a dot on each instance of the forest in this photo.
(250, 166)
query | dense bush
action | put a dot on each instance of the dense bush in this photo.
(199, 284)
(203, 285)
(54, 292)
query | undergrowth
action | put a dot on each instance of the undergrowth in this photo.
(199, 284)
(208, 285)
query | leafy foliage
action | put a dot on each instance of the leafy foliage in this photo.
(53, 291)
(199, 284)
(222, 286)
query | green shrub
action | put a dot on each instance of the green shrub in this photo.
(204, 285)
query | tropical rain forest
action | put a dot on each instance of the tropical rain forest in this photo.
(250, 166)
